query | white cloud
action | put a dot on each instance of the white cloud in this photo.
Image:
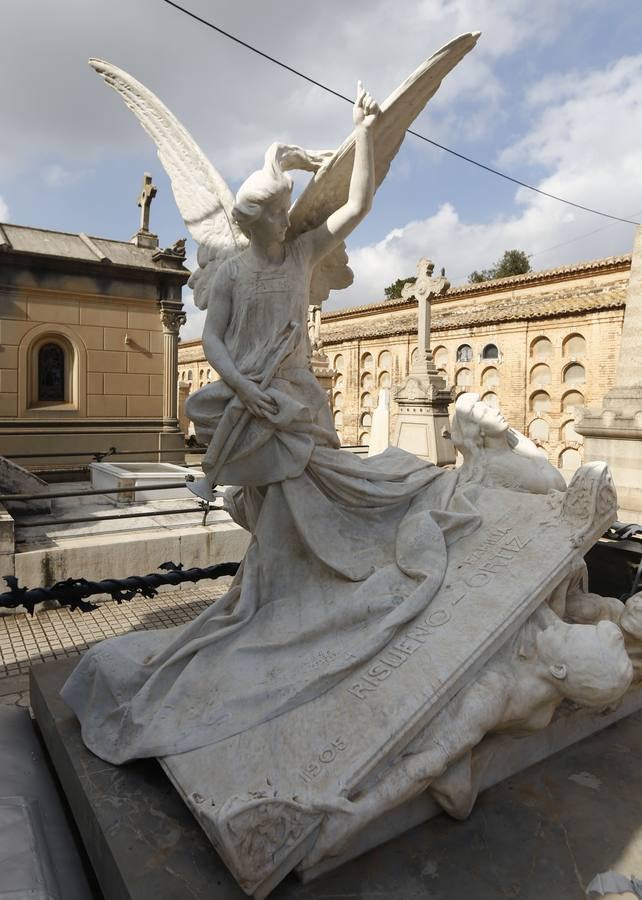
(234, 102)
(572, 136)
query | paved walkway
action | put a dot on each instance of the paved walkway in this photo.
(57, 633)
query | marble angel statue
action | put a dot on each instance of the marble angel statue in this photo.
(343, 551)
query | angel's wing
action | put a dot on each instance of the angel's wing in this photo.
(328, 190)
(202, 196)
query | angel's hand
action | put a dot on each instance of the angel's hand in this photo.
(365, 109)
(257, 401)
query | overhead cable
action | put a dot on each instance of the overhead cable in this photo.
(329, 90)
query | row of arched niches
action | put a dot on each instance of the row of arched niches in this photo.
(556, 376)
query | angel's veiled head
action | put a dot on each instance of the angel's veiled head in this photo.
(266, 195)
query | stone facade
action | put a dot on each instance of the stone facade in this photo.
(539, 345)
(88, 344)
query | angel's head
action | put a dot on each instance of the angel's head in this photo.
(263, 200)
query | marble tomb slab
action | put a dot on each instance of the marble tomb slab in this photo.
(259, 796)
(143, 842)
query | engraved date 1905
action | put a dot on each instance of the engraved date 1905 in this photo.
(325, 757)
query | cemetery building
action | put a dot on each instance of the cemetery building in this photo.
(539, 345)
(88, 343)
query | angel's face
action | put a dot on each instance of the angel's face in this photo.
(274, 221)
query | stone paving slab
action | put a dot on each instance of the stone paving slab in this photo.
(59, 633)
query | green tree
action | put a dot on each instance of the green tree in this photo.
(393, 291)
(513, 262)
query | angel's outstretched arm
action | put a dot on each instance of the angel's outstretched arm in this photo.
(219, 307)
(362, 184)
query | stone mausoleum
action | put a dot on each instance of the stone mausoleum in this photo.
(88, 344)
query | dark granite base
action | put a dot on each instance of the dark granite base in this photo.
(542, 834)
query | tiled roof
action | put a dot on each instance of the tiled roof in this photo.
(563, 302)
(41, 241)
(496, 285)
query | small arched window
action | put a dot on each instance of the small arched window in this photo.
(574, 374)
(490, 351)
(52, 373)
(541, 374)
(539, 430)
(367, 381)
(367, 361)
(363, 439)
(338, 362)
(385, 359)
(490, 377)
(366, 420)
(569, 434)
(338, 382)
(464, 353)
(190, 375)
(440, 357)
(574, 346)
(541, 348)
(338, 400)
(384, 380)
(570, 459)
(366, 401)
(464, 378)
(572, 400)
(540, 402)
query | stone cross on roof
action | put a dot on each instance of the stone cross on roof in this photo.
(424, 288)
(145, 201)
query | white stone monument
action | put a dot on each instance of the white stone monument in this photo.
(380, 430)
(388, 614)
(423, 398)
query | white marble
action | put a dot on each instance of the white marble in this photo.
(380, 430)
(376, 596)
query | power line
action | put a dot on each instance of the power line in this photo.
(577, 237)
(416, 134)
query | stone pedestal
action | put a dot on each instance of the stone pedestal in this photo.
(422, 421)
(613, 432)
(539, 827)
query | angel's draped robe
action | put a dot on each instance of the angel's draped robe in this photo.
(344, 551)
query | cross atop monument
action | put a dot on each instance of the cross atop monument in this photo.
(145, 201)
(424, 289)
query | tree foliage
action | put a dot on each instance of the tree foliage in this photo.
(393, 291)
(513, 262)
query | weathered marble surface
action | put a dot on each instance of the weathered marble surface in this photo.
(537, 827)
(37, 848)
(260, 796)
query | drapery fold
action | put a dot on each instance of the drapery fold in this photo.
(341, 557)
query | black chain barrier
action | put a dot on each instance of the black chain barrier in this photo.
(73, 591)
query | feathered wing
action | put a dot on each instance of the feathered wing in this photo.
(202, 196)
(328, 190)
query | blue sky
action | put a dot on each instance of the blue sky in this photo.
(552, 94)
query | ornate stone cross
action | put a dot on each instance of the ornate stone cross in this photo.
(424, 289)
(145, 201)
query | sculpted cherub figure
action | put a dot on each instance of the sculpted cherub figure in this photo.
(497, 455)
(516, 692)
